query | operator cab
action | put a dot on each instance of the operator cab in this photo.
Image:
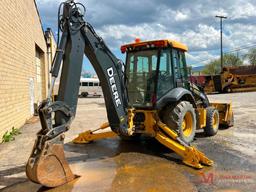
(153, 68)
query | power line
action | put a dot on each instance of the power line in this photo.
(231, 51)
(249, 45)
(241, 48)
(211, 59)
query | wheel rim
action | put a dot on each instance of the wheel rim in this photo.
(215, 121)
(187, 124)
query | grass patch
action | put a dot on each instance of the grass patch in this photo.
(10, 135)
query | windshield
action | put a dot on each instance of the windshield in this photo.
(141, 73)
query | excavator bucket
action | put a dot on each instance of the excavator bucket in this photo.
(47, 166)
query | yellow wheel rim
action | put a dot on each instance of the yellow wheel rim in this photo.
(187, 124)
(215, 121)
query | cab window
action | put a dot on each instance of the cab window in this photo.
(165, 76)
(180, 68)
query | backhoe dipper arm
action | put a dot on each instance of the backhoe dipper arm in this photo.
(110, 71)
(47, 164)
(78, 38)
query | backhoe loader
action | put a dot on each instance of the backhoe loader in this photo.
(148, 95)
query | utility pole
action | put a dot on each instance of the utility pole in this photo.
(221, 48)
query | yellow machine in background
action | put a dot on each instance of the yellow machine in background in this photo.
(239, 79)
(232, 79)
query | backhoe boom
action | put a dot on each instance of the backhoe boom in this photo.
(78, 38)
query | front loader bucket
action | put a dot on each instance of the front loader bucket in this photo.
(47, 166)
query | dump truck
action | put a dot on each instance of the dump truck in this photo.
(148, 95)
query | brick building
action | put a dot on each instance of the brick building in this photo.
(24, 62)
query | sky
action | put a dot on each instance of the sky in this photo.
(190, 22)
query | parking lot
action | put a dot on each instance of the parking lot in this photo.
(144, 165)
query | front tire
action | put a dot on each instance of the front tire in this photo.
(212, 121)
(181, 118)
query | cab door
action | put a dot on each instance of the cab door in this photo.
(165, 81)
(180, 68)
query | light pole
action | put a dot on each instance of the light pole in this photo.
(221, 48)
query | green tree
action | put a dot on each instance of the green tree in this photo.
(214, 67)
(251, 56)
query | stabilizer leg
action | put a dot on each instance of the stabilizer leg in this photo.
(89, 136)
(191, 156)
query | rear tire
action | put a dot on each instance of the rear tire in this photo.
(212, 121)
(181, 119)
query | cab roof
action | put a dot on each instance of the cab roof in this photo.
(154, 43)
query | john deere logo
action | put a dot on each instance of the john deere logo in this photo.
(112, 82)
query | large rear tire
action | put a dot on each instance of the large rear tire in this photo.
(212, 121)
(181, 118)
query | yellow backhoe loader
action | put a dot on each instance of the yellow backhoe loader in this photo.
(148, 95)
